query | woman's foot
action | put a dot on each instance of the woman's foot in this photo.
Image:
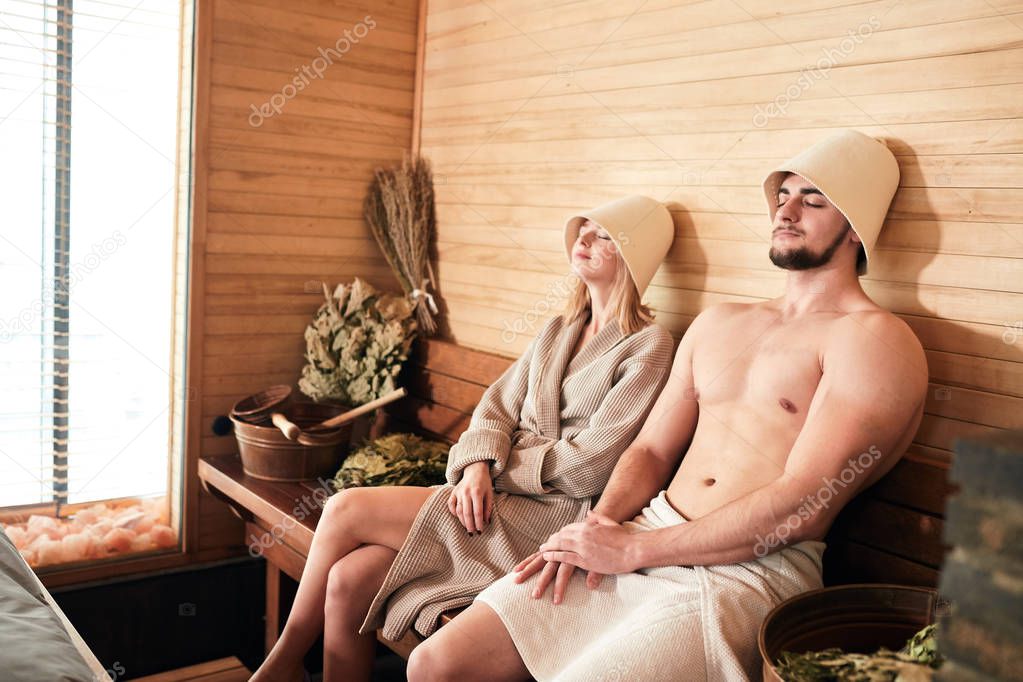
(279, 671)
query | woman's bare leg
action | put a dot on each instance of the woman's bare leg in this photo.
(351, 585)
(473, 646)
(353, 517)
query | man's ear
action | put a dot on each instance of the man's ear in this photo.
(855, 237)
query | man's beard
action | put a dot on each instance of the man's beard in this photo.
(804, 259)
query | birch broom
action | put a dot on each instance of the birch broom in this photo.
(399, 210)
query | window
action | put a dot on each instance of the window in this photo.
(92, 263)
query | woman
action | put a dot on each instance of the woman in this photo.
(541, 443)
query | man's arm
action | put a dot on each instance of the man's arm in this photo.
(869, 400)
(648, 463)
(645, 466)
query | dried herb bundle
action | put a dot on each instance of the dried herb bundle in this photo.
(915, 662)
(395, 459)
(356, 344)
(399, 210)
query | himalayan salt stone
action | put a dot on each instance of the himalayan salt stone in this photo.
(86, 516)
(38, 541)
(128, 519)
(50, 552)
(101, 528)
(118, 540)
(157, 506)
(40, 523)
(17, 535)
(29, 556)
(164, 536)
(76, 546)
(142, 542)
(145, 523)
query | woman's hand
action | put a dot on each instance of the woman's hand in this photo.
(472, 500)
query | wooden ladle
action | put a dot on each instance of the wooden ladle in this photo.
(324, 432)
(267, 404)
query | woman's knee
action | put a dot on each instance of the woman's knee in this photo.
(343, 508)
(430, 662)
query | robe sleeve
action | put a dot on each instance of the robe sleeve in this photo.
(495, 418)
(580, 466)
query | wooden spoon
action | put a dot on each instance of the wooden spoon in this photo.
(326, 431)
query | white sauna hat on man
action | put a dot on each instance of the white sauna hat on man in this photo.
(641, 228)
(857, 173)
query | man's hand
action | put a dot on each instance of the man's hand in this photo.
(597, 544)
(559, 572)
(472, 500)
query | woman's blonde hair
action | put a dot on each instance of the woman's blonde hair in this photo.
(625, 304)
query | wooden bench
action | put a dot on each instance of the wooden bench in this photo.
(891, 533)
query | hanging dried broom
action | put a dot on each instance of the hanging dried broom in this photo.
(399, 210)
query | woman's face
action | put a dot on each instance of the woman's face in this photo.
(594, 254)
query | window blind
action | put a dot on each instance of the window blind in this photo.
(88, 165)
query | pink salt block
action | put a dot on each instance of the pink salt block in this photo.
(142, 542)
(40, 523)
(100, 528)
(145, 523)
(86, 516)
(17, 535)
(38, 541)
(118, 540)
(76, 546)
(29, 556)
(164, 536)
(50, 552)
(128, 519)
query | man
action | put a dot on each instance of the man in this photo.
(783, 411)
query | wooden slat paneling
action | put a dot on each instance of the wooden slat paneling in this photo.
(532, 111)
(282, 196)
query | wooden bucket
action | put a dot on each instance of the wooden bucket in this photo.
(856, 618)
(267, 454)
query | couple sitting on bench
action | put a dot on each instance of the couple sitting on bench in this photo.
(771, 417)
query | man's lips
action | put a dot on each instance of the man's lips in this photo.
(788, 233)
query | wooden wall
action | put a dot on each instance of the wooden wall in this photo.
(533, 109)
(278, 199)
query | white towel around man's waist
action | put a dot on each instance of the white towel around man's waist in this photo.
(668, 623)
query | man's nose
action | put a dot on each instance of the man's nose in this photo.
(788, 212)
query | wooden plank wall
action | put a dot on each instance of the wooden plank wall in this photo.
(279, 198)
(533, 109)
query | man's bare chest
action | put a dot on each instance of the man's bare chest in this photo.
(766, 366)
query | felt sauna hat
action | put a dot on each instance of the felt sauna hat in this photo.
(640, 227)
(857, 173)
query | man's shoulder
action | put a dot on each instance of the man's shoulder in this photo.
(876, 322)
(880, 344)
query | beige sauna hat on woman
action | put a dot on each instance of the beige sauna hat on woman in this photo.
(857, 173)
(641, 228)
